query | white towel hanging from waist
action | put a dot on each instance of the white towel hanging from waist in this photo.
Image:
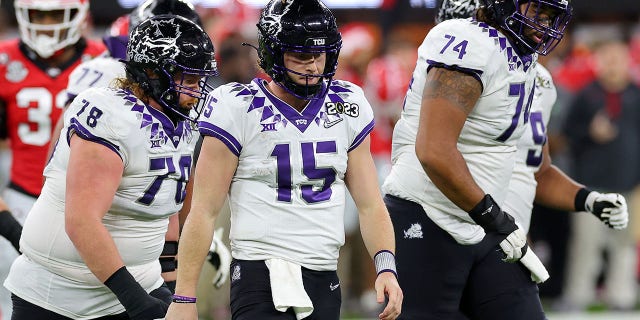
(287, 289)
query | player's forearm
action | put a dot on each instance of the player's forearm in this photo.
(95, 245)
(10, 228)
(556, 190)
(197, 234)
(449, 172)
(377, 230)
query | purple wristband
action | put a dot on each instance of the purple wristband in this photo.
(183, 299)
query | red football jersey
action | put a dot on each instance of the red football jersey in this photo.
(34, 99)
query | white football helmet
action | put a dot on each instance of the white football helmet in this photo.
(46, 39)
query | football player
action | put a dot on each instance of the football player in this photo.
(535, 178)
(92, 240)
(284, 151)
(101, 72)
(34, 70)
(533, 164)
(454, 152)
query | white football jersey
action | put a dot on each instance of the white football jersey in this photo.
(97, 72)
(489, 136)
(287, 196)
(157, 161)
(522, 187)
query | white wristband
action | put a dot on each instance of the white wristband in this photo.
(385, 262)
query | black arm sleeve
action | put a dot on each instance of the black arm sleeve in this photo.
(10, 228)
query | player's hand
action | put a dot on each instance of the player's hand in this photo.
(182, 311)
(149, 308)
(138, 304)
(163, 293)
(610, 208)
(491, 218)
(514, 246)
(220, 258)
(387, 285)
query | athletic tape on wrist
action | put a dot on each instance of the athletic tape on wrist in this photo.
(385, 262)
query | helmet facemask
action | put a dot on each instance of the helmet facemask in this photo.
(547, 26)
(280, 73)
(178, 80)
(47, 39)
(544, 19)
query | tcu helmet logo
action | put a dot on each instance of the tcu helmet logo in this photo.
(318, 42)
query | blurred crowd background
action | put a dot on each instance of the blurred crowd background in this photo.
(596, 67)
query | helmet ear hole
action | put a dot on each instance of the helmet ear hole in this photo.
(169, 68)
(169, 97)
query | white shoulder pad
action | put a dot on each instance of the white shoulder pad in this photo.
(101, 115)
(98, 72)
(224, 111)
(357, 110)
(459, 44)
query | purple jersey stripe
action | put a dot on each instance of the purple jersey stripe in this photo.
(208, 129)
(83, 133)
(362, 135)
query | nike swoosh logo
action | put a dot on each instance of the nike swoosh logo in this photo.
(487, 211)
(330, 124)
(333, 287)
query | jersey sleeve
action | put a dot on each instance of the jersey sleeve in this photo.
(458, 45)
(361, 117)
(93, 116)
(221, 118)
